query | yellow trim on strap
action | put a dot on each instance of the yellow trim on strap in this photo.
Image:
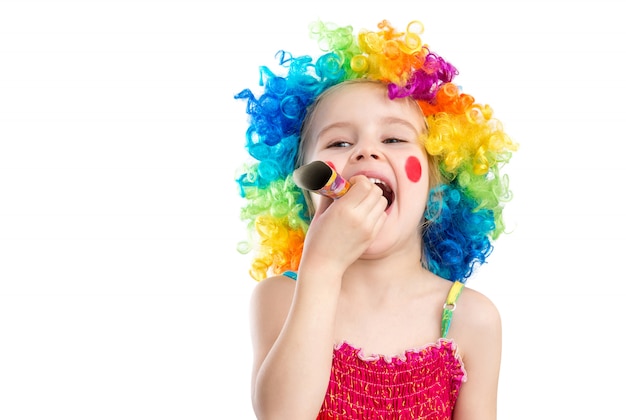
(454, 293)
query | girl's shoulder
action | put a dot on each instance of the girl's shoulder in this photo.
(476, 309)
(476, 321)
(273, 294)
(279, 284)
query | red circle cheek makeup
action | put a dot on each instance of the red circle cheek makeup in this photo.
(413, 169)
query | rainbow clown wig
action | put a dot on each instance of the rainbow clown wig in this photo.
(464, 212)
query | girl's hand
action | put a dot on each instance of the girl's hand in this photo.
(343, 229)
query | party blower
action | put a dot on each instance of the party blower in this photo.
(320, 177)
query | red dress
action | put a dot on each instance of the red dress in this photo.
(423, 384)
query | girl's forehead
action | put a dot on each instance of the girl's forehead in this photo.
(353, 99)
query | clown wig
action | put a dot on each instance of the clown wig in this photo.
(464, 211)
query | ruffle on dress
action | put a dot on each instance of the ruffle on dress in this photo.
(423, 383)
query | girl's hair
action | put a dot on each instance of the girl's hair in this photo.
(464, 142)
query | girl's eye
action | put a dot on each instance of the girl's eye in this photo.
(339, 144)
(394, 140)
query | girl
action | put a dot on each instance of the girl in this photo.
(353, 316)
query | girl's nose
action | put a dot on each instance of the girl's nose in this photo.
(366, 151)
(366, 156)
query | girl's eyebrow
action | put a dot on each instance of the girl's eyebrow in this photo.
(386, 120)
(329, 127)
(400, 121)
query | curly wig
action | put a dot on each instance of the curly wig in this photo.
(464, 211)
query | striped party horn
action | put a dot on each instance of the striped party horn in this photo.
(320, 177)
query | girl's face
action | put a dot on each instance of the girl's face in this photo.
(360, 131)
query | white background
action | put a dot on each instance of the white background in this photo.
(122, 295)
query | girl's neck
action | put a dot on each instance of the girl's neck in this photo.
(385, 276)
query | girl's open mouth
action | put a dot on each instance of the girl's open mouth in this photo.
(387, 191)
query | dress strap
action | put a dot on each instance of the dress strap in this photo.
(291, 274)
(449, 307)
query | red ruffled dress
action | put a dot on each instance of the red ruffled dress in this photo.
(422, 384)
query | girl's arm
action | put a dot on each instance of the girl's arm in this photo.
(481, 346)
(293, 322)
(292, 332)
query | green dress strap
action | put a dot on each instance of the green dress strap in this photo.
(449, 307)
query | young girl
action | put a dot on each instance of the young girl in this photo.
(353, 316)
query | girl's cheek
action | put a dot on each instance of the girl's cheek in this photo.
(413, 169)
